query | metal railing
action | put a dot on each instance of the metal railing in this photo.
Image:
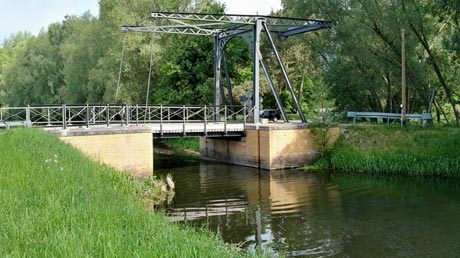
(89, 115)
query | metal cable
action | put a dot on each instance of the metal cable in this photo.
(121, 65)
(150, 65)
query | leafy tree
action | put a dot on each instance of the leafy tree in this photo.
(10, 47)
(32, 77)
(77, 64)
(361, 54)
(356, 64)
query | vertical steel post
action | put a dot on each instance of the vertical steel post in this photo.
(128, 114)
(147, 114)
(161, 120)
(28, 114)
(269, 79)
(122, 114)
(227, 79)
(244, 116)
(283, 70)
(275, 94)
(205, 120)
(225, 119)
(49, 116)
(169, 114)
(64, 113)
(217, 67)
(183, 114)
(93, 114)
(108, 115)
(87, 116)
(256, 69)
(137, 114)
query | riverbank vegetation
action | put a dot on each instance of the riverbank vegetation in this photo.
(395, 150)
(77, 60)
(190, 145)
(56, 203)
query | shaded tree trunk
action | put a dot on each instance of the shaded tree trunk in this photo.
(387, 79)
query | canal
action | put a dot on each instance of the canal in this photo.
(316, 214)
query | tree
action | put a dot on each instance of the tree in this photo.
(361, 54)
(10, 48)
(32, 76)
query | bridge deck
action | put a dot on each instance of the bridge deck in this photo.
(162, 120)
(166, 130)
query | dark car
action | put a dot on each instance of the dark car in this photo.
(271, 114)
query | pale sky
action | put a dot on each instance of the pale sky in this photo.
(34, 15)
(261, 7)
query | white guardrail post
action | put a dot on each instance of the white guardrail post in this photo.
(28, 115)
(183, 117)
(49, 116)
(137, 114)
(244, 116)
(161, 120)
(193, 117)
(225, 119)
(64, 118)
(107, 112)
(87, 116)
(205, 120)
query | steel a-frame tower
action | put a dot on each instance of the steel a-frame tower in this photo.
(225, 27)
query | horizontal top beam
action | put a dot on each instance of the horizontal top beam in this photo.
(235, 19)
(184, 30)
(226, 24)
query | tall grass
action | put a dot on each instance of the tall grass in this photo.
(56, 203)
(415, 151)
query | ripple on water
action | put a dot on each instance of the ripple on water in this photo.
(310, 215)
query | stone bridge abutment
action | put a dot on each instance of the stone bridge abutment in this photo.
(265, 146)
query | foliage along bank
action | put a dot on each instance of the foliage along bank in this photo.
(77, 60)
(392, 150)
(56, 203)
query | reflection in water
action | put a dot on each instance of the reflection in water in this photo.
(307, 215)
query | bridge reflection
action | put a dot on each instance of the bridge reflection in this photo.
(258, 208)
(277, 191)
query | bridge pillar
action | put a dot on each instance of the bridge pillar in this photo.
(266, 146)
(131, 152)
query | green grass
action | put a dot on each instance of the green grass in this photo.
(56, 203)
(413, 150)
(188, 144)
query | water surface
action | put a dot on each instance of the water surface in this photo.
(305, 214)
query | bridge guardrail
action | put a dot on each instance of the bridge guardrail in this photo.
(424, 117)
(89, 115)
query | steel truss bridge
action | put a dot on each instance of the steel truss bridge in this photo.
(224, 28)
(161, 120)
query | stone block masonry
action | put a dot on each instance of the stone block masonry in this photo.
(131, 152)
(272, 146)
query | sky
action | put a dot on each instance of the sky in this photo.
(34, 15)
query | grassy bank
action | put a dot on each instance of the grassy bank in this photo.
(56, 203)
(414, 150)
(185, 144)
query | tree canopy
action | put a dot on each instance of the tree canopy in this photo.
(356, 65)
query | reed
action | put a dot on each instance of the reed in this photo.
(54, 202)
(392, 150)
